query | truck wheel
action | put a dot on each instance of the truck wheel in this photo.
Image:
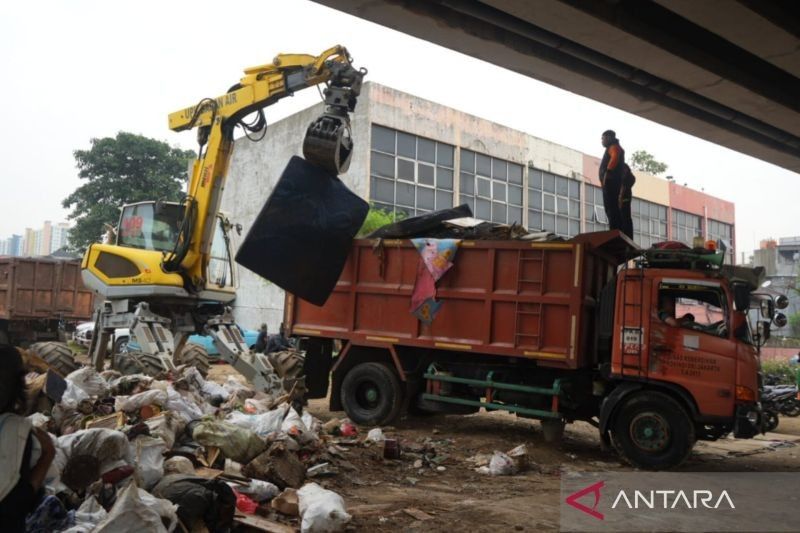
(194, 355)
(653, 432)
(553, 430)
(57, 355)
(371, 394)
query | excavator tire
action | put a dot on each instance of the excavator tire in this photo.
(136, 362)
(196, 356)
(57, 355)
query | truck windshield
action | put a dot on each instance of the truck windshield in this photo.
(144, 226)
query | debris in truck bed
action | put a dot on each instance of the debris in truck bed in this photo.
(458, 223)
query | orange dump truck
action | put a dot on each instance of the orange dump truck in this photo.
(40, 297)
(558, 331)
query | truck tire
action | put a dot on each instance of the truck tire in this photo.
(57, 355)
(194, 355)
(371, 394)
(652, 431)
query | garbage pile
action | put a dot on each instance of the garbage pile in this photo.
(135, 453)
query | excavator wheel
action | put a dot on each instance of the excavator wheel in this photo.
(194, 355)
(136, 362)
(57, 355)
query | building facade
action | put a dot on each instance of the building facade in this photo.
(37, 242)
(415, 156)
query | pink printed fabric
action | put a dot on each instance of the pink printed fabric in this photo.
(436, 258)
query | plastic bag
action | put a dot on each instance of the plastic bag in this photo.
(136, 510)
(321, 510)
(88, 380)
(375, 435)
(166, 426)
(39, 420)
(262, 424)
(88, 516)
(178, 465)
(137, 401)
(235, 442)
(72, 396)
(185, 407)
(149, 460)
(260, 490)
(501, 465)
(245, 504)
(109, 446)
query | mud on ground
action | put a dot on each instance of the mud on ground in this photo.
(383, 495)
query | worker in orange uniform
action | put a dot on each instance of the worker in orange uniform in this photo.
(611, 176)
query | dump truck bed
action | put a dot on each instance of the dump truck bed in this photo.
(507, 298)
(42, 288)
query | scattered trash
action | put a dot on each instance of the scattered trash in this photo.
(277, 465)
(375, 435)
(245, 504)
(286, 502)
(178, 465)
(200, 501)
(321, 510)
(235, 442)
(136, 510)
(391, 449)
(260, 490)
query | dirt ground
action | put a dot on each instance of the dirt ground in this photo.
(383, 495)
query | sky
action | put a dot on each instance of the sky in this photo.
(84, 69)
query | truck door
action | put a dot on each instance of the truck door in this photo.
(691, 342)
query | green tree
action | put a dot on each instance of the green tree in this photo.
(644, 161)
(376, 219)
(118, 170)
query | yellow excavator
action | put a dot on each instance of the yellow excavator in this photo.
(169, 273)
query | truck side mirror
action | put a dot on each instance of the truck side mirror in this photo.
(741, 297)
(780, 320)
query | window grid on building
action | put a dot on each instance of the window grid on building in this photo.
(649, 222)
(492, 187)
(409, 173)
(595, 218)
(685, 227)
(719, 230)
(554, 203)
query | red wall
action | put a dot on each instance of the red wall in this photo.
(692, 201)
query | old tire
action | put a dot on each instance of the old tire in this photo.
(57, 355)
(652, 431)
(371, 394)
(194, 355)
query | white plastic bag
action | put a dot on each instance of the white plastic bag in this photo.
(109, 446)
(88, 380)
(375, 435)
(149, 460)
(39, 420)
(501, 465)
(136, 511)
(88, 516)
(321, 510)
(137, 401)
(72, 396)
(262, 424)
(291, 421)
(185, 407)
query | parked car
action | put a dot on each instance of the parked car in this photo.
(83, 334)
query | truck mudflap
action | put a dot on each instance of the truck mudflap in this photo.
(749, 420)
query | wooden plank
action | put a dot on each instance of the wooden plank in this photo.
(262, 524)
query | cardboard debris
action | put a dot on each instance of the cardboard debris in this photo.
(418, 514)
